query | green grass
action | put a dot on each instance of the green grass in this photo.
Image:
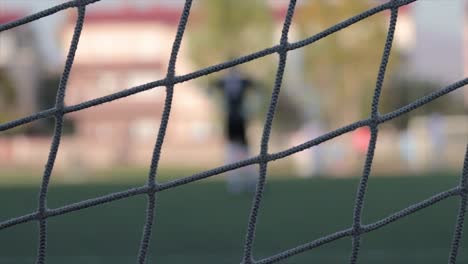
(201, 223)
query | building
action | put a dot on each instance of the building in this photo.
(122, 48)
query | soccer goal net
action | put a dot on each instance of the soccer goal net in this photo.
(262, 159)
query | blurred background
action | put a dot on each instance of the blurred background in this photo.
(327, 85)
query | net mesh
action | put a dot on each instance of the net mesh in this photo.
(152, 187)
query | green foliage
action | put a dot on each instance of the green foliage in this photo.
(224, 30)
(8, 102)
(7, 97)
(403, 91)
(343, 66)
(46, 100)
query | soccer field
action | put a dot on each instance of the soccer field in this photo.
(201, 223)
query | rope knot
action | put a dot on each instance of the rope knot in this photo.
(464, 190)
(81, 3)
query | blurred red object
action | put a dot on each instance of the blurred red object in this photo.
(360, 139)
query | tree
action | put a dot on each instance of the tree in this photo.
(7, 89)
(405, 90)
(7, 97)
(225, 30)
(229, 29)
(343, 66)
(49, 84)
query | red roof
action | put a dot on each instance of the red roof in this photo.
(9, 16)
(128, 14)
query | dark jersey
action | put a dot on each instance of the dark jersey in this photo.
(234, 88)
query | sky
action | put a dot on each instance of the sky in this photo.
(439, 50)
(439, 26)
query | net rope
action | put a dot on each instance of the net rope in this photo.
(152, 187)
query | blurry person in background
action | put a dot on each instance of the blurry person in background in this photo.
(234, 86)
(310, 162)
(436, 137)
(360, 140)
(408, 149)
(360, 143)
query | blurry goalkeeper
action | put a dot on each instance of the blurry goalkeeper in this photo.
(234, 86)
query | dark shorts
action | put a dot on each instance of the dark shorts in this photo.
(236, 130)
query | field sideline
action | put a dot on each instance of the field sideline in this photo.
(201, 223)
